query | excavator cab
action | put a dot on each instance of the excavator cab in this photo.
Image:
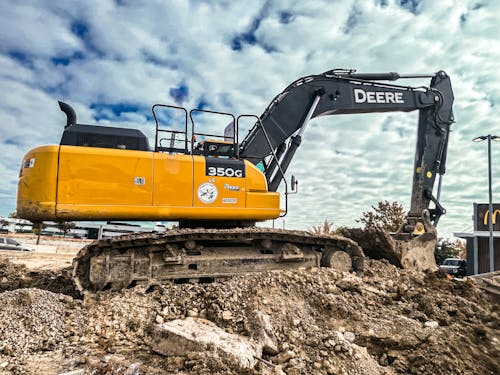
(214, 148)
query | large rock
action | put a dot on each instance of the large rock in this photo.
(179, 337)
(259, 324)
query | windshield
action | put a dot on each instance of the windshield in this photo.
(452, 262)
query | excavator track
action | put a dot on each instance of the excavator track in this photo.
(205, 255)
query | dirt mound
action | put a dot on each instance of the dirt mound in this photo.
(16, 276)
(307, 322)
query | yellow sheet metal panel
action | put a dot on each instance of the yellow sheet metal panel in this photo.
(219, 182)
(101, 176)
(270, 200)
(130, 213)
(173, 180)
(218, 213)
(36, 190)
(107, 212)
(256, 181)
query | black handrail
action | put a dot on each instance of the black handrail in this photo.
(274, 157)
(157, 148)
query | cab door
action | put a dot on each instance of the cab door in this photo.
(173, 181)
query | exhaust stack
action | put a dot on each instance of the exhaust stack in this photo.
(70, 113)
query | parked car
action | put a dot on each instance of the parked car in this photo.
(10, 244)
(455, 267)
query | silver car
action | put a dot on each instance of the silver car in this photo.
(455, 267)
(10, 244)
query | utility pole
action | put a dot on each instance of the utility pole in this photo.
(490, 208)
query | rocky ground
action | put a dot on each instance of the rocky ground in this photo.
(321, 321)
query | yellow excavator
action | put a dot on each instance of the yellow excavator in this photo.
(219, 187)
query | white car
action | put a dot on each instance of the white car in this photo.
(10, 244)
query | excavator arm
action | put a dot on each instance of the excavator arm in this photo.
(274, 139)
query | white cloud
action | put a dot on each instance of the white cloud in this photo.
(35, 30)
(103, 52)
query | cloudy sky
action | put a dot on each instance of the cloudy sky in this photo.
(111, 60)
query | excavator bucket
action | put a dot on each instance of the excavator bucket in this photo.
(404, 250)
(418, 253)
(415, 253)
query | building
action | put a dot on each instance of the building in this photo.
(478, 258)
(88, 230)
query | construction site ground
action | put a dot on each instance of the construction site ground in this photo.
(315, 321)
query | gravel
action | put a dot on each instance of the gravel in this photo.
(31, 320)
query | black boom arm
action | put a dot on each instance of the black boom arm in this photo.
(274, 139)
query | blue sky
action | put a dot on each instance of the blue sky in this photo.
(111, 60)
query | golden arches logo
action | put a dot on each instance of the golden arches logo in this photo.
(494, 219)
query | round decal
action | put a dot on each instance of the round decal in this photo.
(207, 192)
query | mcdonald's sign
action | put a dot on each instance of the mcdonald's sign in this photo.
(486, 217)
(482, 217)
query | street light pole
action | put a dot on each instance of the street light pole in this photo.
(489, 137)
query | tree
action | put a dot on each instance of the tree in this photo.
(65, 226)
(446, 248)
(37, 229)
(462, 246)
(326, 228)
(386, 216)
(13, 215)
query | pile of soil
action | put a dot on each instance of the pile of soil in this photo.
(318, 321)
(17, 276)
